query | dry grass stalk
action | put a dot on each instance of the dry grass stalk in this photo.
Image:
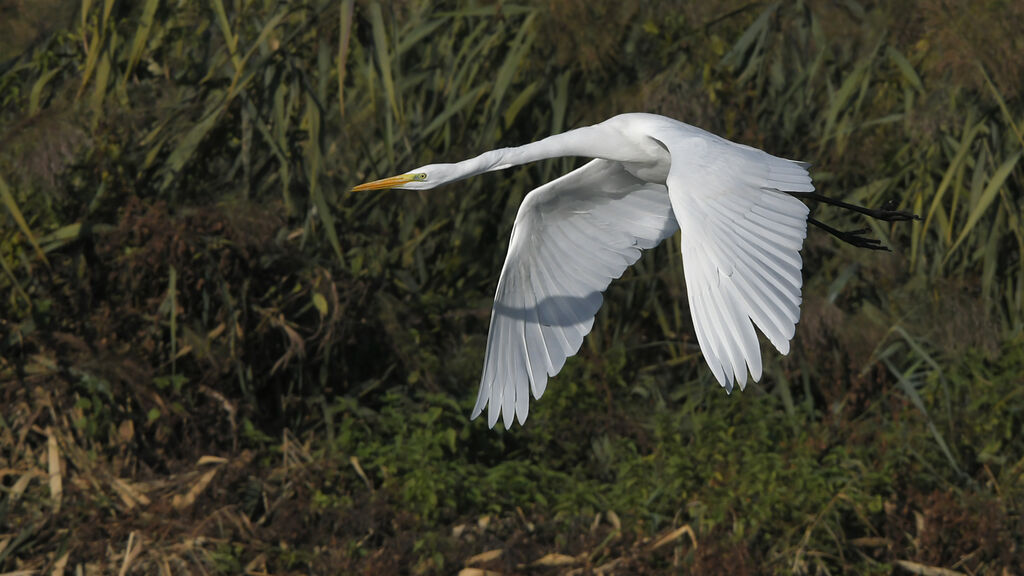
(129, 494)
(555, 559)
(675, 535)
(189, 498)
(484, 557)
(132, 551)
(478, 572)
(53, 461)
(359, 471)
(60, 564)
(923, 570)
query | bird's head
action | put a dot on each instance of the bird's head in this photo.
(422, 178)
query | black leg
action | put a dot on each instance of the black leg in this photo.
(852, 237)
(886, 213)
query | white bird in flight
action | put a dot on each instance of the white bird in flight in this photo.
(741, 228)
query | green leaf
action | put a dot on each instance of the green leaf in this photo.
(839, 100)
(230, 39)
(906, 68)
(452, 110)
(514, 60)
(37, 90)
(969, 134)
(320, 303)
(186, 148)
(994, 184)
(100, 89)
(141, 35)
(520, 101)
(380, 42)
(345, 25)
(12, 206)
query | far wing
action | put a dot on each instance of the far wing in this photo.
(571, 238)
(741, 240)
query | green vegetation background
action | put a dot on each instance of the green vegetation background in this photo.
(215, 359)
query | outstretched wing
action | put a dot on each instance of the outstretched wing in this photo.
(741, 240)
(571, 238)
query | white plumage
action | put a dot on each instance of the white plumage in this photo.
(740, 233)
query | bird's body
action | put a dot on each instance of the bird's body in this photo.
(741, 232)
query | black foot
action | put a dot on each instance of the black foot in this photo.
(852, 237)
(888, 214)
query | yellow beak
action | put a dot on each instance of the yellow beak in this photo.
(391, 182)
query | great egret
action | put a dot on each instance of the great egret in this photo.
(741, 226)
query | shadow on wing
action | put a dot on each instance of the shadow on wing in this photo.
(554, 310)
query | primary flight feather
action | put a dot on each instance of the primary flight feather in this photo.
(741, 229)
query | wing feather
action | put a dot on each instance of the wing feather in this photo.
(741, 238)
(571, 238)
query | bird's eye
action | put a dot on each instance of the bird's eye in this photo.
(421, 176)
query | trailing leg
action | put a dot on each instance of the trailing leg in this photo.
(852, 237)
(886, 214)
(855, 237)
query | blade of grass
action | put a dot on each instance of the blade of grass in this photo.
(970, 132)
(838, 101)
(977, 186)
(560, 102)
(491, 11)
(1002, 104)
(86, 6)
(186, 148)
(449, 111)
(95, 47)
(141, 36)
(380, 42)
(99, 92)
(108, 7)
(757, 56)
(14, 281)
(743, 44)
(990, 261)
(315, 166)
(514, 59)
(19, 218)
(37, 90)
(345, 38)
(410, 38)
(902, 379)
(906, 68)
(987, 197)
(92, 57)
(230, 38)
(524, 97)
(242, 76)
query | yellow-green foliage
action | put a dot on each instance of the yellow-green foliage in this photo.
(215, 358)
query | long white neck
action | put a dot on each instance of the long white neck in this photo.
(589, 141)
